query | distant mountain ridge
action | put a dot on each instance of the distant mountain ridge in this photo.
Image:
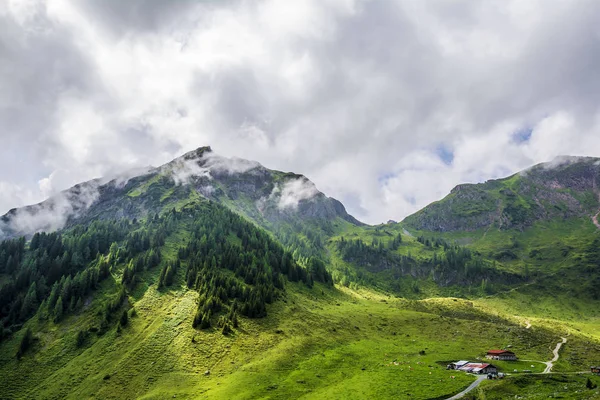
(563, 188)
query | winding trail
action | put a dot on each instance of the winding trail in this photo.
(480, 378)
(550, 364)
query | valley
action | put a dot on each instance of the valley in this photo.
(212, 278)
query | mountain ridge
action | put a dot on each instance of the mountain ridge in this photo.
(211, 278)
(563, 188)
(276, 194)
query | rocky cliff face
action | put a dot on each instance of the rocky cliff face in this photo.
(567, 187)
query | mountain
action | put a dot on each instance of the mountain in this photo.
(564, 188)
(272, 199)
(211, 277)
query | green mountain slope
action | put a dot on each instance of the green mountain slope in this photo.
(218, 278)
(565, 188)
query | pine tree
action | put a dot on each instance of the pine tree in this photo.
(42, 310)
(30, 303)
(25, 343)
(124, 319)
(58, 310)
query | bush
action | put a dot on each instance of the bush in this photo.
(590, 385)
(226, 329)
(80, 338)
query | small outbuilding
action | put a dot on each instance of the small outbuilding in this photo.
(502, 355)
(595, 370)
(456, 365)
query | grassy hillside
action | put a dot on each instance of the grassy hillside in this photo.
(565, 188)
(315, 343)
(212, 279)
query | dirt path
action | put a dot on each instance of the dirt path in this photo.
(548, 370)
(550, 364)
(595, 217)
(595, 220)
(480, 378)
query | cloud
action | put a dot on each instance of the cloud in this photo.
(233, 165)
(192, 166)
(184, 172)
(51, 214)
(294, 191)
(287, 196)
(385, 105)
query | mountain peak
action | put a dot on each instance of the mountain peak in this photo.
(263, 195)
(198, 153)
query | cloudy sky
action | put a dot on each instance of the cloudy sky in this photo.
(385, 105)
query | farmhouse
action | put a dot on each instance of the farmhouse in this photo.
(479, 368)
(503, 355)
(595, 370)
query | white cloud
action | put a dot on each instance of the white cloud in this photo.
(184, 169)
(357, 95)
(52, 214)
(293, 192)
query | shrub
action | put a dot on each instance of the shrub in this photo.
(590, 385)
(80, 338)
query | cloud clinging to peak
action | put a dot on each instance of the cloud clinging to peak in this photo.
(385, 105)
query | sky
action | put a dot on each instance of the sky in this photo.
(384, 105)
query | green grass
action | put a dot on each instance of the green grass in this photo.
(515, 367)
(141, 189)
(315, 343)
(538, 387)
(330, 343)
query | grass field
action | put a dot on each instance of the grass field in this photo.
(538, 387)
(317, 343)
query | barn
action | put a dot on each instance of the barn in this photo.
(502, 355)
(479, 368)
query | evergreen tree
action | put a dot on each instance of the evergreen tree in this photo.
(124, 319)
(25, 343)
(58, 310)
(30, 303)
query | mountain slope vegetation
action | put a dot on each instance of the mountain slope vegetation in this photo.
(211, 277)
(564, 188)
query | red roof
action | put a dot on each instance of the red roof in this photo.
(499, 352)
